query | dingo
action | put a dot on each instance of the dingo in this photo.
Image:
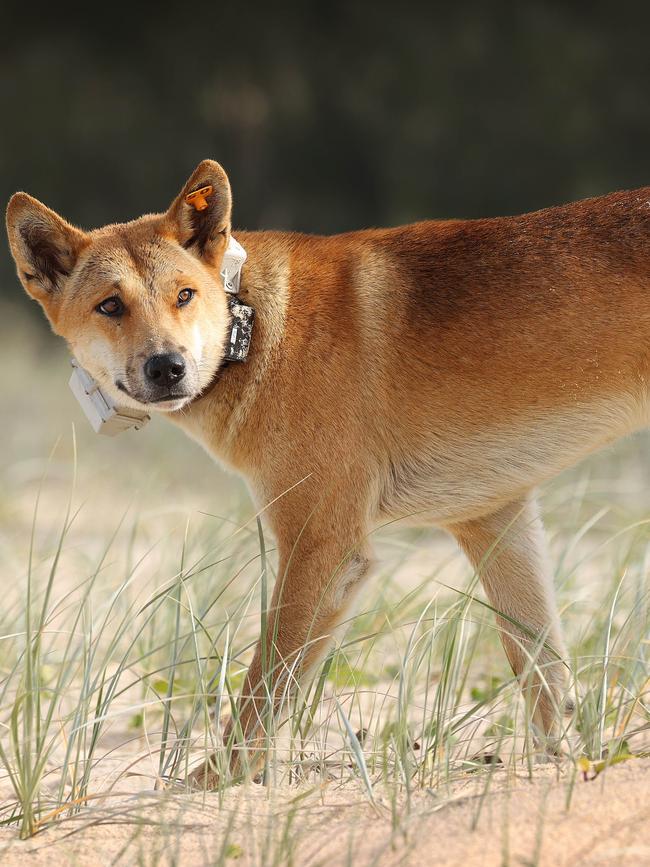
(439, 370)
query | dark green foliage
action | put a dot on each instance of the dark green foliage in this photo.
(327, 116)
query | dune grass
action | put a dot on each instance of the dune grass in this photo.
(415, 695)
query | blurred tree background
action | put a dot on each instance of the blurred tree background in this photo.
(327, 116)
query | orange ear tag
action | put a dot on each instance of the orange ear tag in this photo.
(198, 198)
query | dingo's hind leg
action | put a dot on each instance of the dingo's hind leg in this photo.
(508, 550)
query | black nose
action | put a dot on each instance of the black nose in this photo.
(165, 370)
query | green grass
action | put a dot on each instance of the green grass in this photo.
(132, 598)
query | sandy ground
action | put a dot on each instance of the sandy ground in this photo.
(522, 822)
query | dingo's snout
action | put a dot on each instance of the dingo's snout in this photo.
(165, 371)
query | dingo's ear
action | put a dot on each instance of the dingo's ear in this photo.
(45, 248)
(199, 216)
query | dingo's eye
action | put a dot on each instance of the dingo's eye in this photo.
(111, 307)
(184, 297)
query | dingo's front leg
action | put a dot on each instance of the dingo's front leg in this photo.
(320, 570)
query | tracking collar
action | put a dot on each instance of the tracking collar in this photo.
(107, 417)
(243, 317)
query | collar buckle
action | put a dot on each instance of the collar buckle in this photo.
(233, 261)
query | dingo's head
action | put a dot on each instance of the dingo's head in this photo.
(141, 304)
